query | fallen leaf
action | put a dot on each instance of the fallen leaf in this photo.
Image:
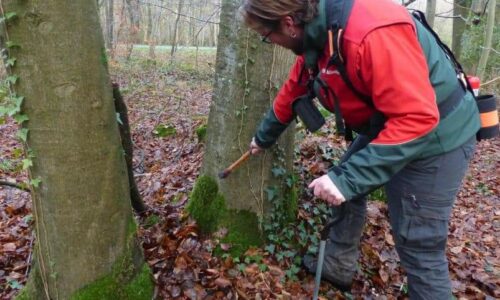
(456, 250)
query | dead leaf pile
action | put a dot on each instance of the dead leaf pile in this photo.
(182, 260)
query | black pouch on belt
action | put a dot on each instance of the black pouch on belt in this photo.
(308, 113)
(487, 105)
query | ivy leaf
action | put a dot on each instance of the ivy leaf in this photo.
(271, 193)
(18, 101)
(35, 182)
(28, 218)
(270, 248)
(21, 118)
(12, 79)
(10, 15)
(10, 62)
(11, 44)
(27, 163)
(278, 171)
(15, 285)
(22, 134)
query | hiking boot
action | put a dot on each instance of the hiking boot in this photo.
(340, 279)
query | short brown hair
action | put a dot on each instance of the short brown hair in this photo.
(268, 13)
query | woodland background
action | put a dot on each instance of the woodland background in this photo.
(162, 55)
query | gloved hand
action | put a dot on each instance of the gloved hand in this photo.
(325, 189)
(254, 148)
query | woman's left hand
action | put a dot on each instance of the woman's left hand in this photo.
(325, 189)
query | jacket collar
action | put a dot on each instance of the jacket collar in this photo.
(331, 13)
(315, 36)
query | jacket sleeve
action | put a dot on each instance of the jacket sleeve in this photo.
(281, 114)
(393, 70)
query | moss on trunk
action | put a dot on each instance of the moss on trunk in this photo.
(112, 286)
(243, 232)
(208, 207)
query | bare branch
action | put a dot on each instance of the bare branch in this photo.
(490, 81)
(451, 17)
(491, 49)
(406, 3)
(174, 12)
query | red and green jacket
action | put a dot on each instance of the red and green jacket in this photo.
(398, 64)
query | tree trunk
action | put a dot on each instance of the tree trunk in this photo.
(460, 11)
(149, 34)
(134, 26)
(109, 7)
(86, 235)
(247, 74)
(430, 12)
(490, 26)
(176, 30)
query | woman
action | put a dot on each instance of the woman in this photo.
(415, 121)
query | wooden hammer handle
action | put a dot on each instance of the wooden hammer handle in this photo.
(234, 165)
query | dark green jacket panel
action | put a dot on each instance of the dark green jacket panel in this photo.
(441, 72)
(269, 130)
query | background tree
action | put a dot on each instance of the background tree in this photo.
(134, 34)
(86, 236)
(248, 74)
(430, 12)
(490, 26)
(109, 24)
(175, 29)
(460, 13)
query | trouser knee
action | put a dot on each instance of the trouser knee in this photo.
(352, 217)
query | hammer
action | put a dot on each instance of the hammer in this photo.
(234, 165)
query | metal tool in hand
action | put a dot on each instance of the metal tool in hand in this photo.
(322, 244)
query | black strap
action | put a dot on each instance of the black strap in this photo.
(339, 119)
(420, 17)
(339, 62)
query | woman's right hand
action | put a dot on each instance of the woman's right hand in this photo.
(254, 148)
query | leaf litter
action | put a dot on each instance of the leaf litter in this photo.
(182, 260)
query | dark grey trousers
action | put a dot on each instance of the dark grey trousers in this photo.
(420, 199)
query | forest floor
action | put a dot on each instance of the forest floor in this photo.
(175, 99)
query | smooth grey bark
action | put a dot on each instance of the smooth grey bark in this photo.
(490, 26)
(247, 74)
(430, 12)
(82, 214)
(461, 12)
(109, 37)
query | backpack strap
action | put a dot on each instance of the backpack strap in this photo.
(338, 61)
(338, 13)
(420, 17)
